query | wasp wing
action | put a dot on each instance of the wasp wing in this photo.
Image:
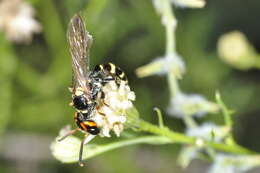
(80, 42)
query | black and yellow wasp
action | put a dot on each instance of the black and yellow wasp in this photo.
(86, 84)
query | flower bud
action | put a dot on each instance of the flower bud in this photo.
(235, 50)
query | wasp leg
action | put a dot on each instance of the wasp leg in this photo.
(103, 99)
(68, 134)
(84, 141)
(101, 113)
(107, 105)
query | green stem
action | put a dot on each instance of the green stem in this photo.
(189, 121)
(8, 65)
(173, 84)
(227, 113)
(154, 140)
(170, 26)
(55, 37)
(181, 138)
(160, 118)
(176, 137)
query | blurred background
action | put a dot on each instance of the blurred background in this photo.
(35, 75)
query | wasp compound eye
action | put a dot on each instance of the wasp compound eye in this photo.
(80, 102)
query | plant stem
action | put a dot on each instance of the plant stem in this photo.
(154, 140)
(227, 113)
(8, 65)
(181, 138)
(173, 84)
(170, 24)
(55, 37)
(176, 137)
(189, 121)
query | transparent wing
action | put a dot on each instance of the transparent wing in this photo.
(80, 42)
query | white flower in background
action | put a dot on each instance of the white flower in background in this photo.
(233, 164)
(193, 104)
(174, 64)
(207, 131)
(235, 50)
(189, 3)
(117, 100)
(154, 67)
(186, 155)
(16, 20)
(162, 65)
(160, 6)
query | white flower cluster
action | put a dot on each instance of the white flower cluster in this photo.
(16, 20)
(193, 104)
(117, 100)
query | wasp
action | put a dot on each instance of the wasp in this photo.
(87, 85)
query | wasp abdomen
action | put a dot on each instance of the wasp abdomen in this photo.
(91, 127)
(114, 70)
(110, 69)
(87, 125)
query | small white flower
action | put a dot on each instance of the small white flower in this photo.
(189, 3)
(233, 164)
(193, 104)
(187, 154)
(208, 131)
(174, 63)
(205, 132)
(16, 20)
(163, 65)
(117, 100)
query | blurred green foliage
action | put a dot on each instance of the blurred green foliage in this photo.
(35, 78)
